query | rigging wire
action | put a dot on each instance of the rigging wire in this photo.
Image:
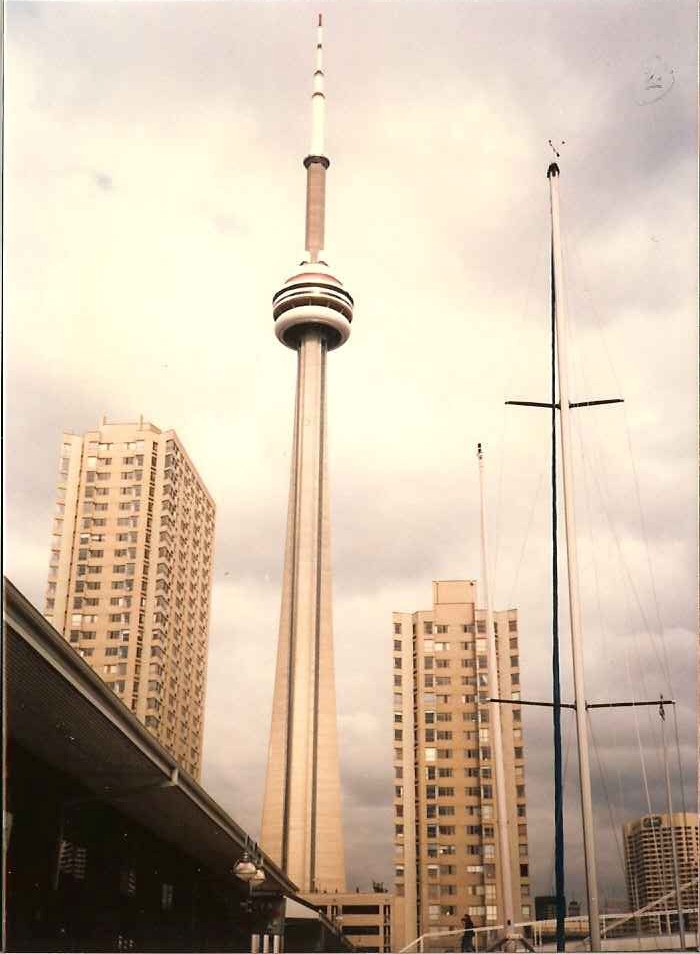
(610, 668)
(586, 466)
(586, 469)
(680, 775)
(565, 779)
(606, 649)
(645, 780)
(611, 813)
(526, 538)
(520, 328)
(635, 476)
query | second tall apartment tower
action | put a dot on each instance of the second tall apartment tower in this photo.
(445, 844)
(130, 574)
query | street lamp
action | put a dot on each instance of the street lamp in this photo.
(245, 869)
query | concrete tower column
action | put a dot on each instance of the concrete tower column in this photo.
(302, 823)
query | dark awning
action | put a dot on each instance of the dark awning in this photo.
(63, 713)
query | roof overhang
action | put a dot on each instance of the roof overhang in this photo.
(64, 714)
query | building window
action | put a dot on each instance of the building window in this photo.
(428, 628)
(127, 881)
(397, 629)
(166, 897)
(72, 860)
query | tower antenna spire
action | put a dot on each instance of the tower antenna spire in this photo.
(316, 162)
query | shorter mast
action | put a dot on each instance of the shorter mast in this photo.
(496, 733)
(674, 850)
(572, 562)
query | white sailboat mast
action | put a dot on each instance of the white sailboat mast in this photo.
(572, 562)
(496, 734)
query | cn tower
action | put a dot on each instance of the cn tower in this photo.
(301, 824)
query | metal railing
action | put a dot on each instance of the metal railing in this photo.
(648, 926)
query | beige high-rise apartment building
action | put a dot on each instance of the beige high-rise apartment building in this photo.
(649, 870)
(445, 842)
(131, 571)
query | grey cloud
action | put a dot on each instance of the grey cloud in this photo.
(437, 206)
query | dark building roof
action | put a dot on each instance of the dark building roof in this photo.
(64, 714)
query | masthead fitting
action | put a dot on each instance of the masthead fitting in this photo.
(553, 170)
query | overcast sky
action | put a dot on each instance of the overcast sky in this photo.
(155, 202)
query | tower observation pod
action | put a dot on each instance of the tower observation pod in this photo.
(302, 823)
(313, 298)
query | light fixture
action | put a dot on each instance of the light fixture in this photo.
(244, 868)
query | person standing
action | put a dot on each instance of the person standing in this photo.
(468, 936)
